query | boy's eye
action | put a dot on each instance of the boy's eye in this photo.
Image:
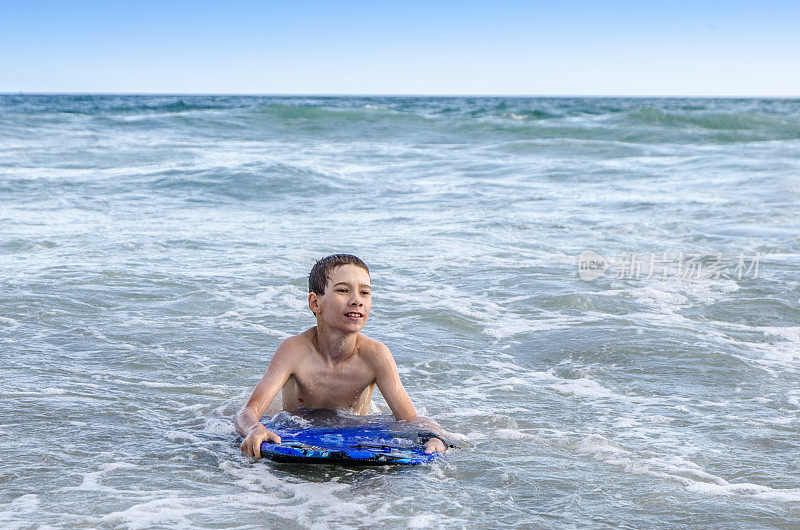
(365, 293)
(342, 290)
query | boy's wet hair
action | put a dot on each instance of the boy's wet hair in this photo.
(323, 268)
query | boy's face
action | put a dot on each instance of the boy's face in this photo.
(347, 299)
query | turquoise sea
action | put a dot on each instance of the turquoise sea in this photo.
(154, 252)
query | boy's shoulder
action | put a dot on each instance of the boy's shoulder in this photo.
(295, 346)
(371, 347)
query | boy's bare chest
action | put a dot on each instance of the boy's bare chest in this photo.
(317, 384)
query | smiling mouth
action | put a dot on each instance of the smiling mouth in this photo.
(353, 315)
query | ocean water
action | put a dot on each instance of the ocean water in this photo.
(599, 298)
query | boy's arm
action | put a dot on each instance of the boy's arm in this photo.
(388, 381)
(247, 424)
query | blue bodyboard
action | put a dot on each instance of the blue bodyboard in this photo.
(352, 445)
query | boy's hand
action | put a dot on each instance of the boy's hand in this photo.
(434, 444)
(251, 446)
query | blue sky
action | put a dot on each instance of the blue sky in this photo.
(498, 47)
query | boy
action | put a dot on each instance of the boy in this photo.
(331, 365)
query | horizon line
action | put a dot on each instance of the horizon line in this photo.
(398, 94)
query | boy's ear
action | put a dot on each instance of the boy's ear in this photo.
(313, 302)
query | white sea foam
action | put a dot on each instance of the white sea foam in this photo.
(17, 513)
(495, 320)
(595, 445)
(182, 437)
(585, 388)
(745, 489)
(793, 398)
(211, 390)
(789, 333)
(511, 434)
(283, 297)
(681, 470)
(9, 323)
(176, 511)
(220, 426)
(423, 520)
(111, 466)
(91, 481)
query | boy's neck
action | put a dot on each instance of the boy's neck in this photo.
(335, 345)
